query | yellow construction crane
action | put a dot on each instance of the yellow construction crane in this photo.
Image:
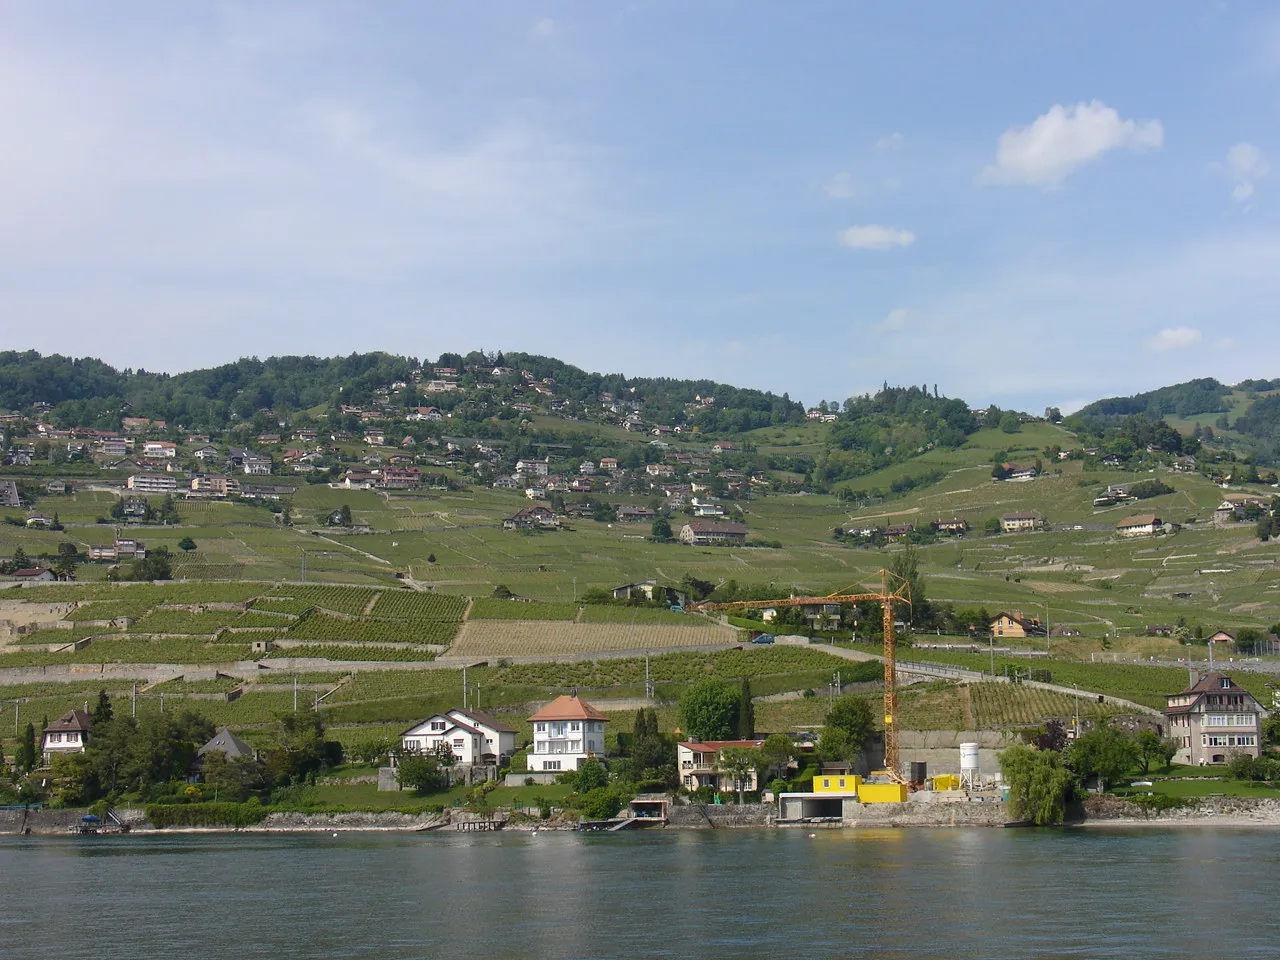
(886, 598)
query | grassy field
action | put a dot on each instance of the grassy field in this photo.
(524, 638)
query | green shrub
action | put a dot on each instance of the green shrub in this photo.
(206, 814)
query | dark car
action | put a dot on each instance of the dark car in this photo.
(763, 638)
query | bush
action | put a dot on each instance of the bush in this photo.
(600, 803)
(206, 814)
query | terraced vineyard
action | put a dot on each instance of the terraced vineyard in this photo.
(638, 615)
(133, 650)
(415, 605)
(319, 626)
(517, 638)
(352, 600)
(347, 651)
(488, 608)
(60, 636)
(1000, 705)
(186, 622)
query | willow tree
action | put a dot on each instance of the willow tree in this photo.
(1038, 784)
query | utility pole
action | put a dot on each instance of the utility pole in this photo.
(133, 699)
(648, 682)
(575, 589)
(304, 566)
(464, 688)
(295, 693)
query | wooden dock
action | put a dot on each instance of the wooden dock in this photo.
(472, 826)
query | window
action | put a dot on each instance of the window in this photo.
(575, 726)
(1225, 682)
(437, 726)
(842, 781)
(825, 783)
(459, 743)
(550, 764)
(540, 728)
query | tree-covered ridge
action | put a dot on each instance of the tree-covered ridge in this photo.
(896, 424)
(1189, 399)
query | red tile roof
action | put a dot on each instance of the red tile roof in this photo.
(568, 708)
(715, 746)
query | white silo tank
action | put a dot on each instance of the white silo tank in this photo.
(969, 765)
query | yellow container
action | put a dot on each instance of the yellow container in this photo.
(836, 783)
(882, 793)
(946, 781)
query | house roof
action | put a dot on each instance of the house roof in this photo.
(1142, 520)
(454, 724)
(1020, 516)
(76, 720)
(568, 708)
(1210, 682)
(715, 526)
(475, 716)
(715, 746)
(228, 744)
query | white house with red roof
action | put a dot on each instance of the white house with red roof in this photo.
(471, 736)
(565, 732)
(698, 763)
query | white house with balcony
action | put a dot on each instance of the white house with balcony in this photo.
(68, 734)
(471, 736)
(699, 764)
(565, 732)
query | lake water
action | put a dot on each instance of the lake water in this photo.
(1136, 893)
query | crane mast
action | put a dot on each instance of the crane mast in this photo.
(886, 598)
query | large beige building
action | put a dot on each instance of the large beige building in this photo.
(1212, 719)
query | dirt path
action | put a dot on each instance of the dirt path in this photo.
(966, 707)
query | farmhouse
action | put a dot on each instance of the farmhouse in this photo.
(533, 518)
(1014, 624)
(1212, 719)
(899, 531)
(1144, 525)
(704, 533)
(954, 527)
(1018, 522)
(699, 764)
(565, 732)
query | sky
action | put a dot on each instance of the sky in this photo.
(1024, 204)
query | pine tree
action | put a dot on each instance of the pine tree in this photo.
(746, 712)
(26, 753)
(102, 711)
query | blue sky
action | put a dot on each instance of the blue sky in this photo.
(1026, 206)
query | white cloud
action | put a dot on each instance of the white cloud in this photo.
(544, 29)
(1174, 338)
(841, 186)
(875, 237)
(893, 141)
(1244, 167)
(896, 318)
(1065, 139)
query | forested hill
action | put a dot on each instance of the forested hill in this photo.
(1184, 400)
(86, 391)
(1244, 418)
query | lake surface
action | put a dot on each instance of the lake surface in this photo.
(1136, 893)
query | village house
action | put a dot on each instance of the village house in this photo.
(9, 494)
(205, 453)
(629, 513)
(400, 478)
(896, 532)
(1144, 525)
(533, 468)
(159, 448)
(68, 734)
(1212, 719)
(647, 589)
(468, 735)
(256, 466)
(565, 732)
(34, 573)
(114, 447)
(953, 527)
(703, 533)
(534, 518)
(707, 508)
(39, 521)
(609, 464)
(1015, 625)
(660, 470)
(723, 446)
(1020, 522)
(1014, 471)
(226, 743)
(506, 483)
(698, 765)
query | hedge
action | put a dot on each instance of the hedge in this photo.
(206, 814)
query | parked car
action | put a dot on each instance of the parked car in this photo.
(763, 638)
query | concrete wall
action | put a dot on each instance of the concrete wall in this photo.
(708, 816)
(940, 749)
